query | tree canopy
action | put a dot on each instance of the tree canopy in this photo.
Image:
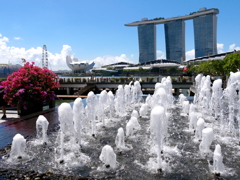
(231, 63)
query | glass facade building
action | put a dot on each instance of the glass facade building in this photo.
(147, 42)
(205, 36)
(175, 40)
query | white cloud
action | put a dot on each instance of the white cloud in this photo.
(3, 40)
(160, 55)
(17, 38)
(59, 60)
(233, 47)
(190, 54)
(220, 48)
(56, 61)
(100, 61)
(14, 54)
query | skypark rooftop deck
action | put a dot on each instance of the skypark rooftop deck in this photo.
(163, 21)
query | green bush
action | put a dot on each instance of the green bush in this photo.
(184, 79)
(68, 80)
(150, 79)
(122, 79)
(130, 78)
(61, 80)
(77, 80)
(174, 80)
(112, 79)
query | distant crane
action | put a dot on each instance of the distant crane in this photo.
(44, 56)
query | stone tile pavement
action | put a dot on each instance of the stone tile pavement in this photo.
(11, 115)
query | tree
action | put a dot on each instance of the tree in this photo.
(232, 63)
(217, 66)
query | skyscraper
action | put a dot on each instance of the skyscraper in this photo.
(147, 42)
(175, 40)
(205, 36)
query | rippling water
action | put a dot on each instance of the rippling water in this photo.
(181, 153)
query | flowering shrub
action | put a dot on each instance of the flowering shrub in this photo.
(30, 83)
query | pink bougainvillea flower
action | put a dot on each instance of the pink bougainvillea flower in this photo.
(30, 83)
(20, 91)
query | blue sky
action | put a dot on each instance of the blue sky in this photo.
(94, 30)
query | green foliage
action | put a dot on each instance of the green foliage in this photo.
(231, 63)
(150, 79)
(2, 79)
(122, 79)
(68, 80)
(110, 68)
(172, 69)
(60, 80)
(77, 79)
(174, 80)
(112, 79)
(140, 69)
(130, 78)
(184, 79)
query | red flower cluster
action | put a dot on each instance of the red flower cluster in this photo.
(30, 83)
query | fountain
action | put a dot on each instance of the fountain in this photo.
(92, 111)
(136, 93)
(127, 96)
(66, 134)
(158, 128)
(108, 157)
(180, 139)
(218, 165)
(120, 139)
(135, 114)
(129, 129)
(78, 113)
(215, 99)
(181, 99)
(193, 118)
(110, 102)
(42, 126)
(103, 97)
(18, 148)
(143, 110)
(185, 107)
(120, 102)
(207, 138)
(134, 121)
(199, 129)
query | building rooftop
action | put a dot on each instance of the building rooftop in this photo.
(220, 56)
(192, 15)
(136, 67)
(119, 64)
(158, 61)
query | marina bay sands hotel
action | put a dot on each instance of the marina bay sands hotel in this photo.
(205, 36)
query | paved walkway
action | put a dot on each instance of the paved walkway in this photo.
(71, 96)
(24, 125)
(11, 115)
